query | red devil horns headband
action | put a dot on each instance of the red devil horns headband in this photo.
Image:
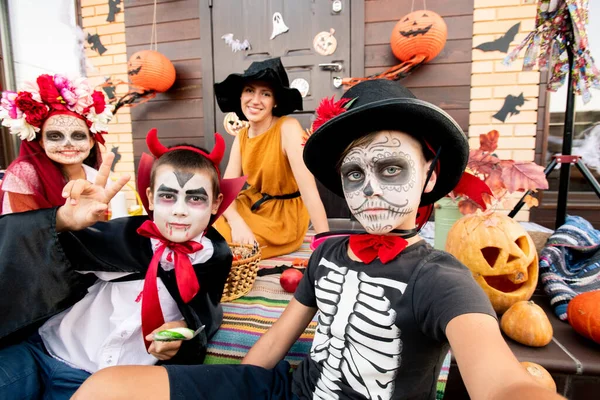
(158, 149)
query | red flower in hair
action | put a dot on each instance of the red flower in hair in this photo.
(49, 93)
(35, 113)
(99, 102)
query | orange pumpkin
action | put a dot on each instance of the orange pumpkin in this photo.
(583, 313)
(151, 70)
(540, 374)
(500, 254)
(421, 32)
(525, 322)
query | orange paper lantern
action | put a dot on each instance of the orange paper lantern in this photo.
(420, 33)
(151, 70)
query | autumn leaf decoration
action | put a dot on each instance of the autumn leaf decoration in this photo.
(503, 177)
(327, 109)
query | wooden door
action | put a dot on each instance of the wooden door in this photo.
(252, 20)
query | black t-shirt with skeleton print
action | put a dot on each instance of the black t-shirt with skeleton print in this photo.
(381, 327)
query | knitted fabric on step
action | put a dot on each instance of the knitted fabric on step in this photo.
(570, 263)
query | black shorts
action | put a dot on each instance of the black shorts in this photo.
(222, 382)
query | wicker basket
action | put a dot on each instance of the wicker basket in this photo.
(243, 272)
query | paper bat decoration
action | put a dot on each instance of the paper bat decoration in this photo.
(503, 42)
(113, 8)
(97, 45)
(510, 107)
(110, 92)
(416, 32)
(115, 151)
(235, 44)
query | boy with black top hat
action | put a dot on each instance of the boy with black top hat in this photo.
(389, 305)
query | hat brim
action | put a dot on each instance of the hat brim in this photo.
(415, 117)
(229, 91)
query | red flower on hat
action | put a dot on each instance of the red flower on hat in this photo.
(35, 112)
(49, 93)
(327, 110)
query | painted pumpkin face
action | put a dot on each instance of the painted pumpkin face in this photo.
(500, 254)
(151, 70)
(325, 43)
(421, 32)
(233, 124)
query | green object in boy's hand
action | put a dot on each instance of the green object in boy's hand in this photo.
(170, 335)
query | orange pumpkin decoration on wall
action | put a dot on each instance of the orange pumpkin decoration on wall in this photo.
(500, 254)
(421, 32)
(151, 70)
(583, 313)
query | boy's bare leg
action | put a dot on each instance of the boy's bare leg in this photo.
(126, 382)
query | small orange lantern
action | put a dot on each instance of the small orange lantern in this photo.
(151, 70)
(421, 32)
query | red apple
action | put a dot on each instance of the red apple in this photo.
(290, 278)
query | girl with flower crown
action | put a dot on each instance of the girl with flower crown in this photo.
(60, 121)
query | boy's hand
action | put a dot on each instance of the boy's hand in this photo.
(165, 350)
(87, 202)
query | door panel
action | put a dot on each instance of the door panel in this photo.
(253, 20)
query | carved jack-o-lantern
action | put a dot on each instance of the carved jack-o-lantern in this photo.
(421, 32)
(151, 70)
(500, 254)
(233, 124)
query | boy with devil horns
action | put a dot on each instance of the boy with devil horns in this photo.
(141, 274)
(389, 305)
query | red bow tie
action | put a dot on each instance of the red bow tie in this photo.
(187, 281)
(368, 247)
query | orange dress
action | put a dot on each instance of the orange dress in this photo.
(279, 225)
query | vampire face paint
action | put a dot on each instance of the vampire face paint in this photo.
(382, 181)
(182, 202)
(66, 139)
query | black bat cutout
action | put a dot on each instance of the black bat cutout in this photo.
(115, 151)
(416, 32)
(113, 8)
(97, 45)
(503, 42)
(134, 71)
(110, 92)
(510, 107)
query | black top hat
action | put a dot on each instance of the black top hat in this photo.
(382, 104)
(271, 71)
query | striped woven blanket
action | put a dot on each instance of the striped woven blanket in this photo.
(570, 263)
(247, 318)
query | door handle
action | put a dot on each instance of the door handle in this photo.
(336, 67)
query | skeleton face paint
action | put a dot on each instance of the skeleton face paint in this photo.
(182, 202)
(66, 139)
(382, 181)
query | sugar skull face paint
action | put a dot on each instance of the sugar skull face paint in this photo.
(382, 181)
(182, 202)
(66, 139)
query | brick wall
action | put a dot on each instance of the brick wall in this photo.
(491, 81)
(113, 64)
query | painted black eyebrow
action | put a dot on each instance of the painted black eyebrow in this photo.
(49, 132)
(197, 191)
(163, 188)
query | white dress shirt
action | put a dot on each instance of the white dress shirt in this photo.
(104, 328)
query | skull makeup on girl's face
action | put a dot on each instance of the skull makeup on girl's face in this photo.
(66, 139)
(182, 202)
(381, 181)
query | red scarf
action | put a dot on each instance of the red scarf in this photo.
(368, 247)
(187, 281)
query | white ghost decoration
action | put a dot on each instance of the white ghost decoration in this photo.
(279, 26)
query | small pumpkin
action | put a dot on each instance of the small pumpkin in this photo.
(500, 254)
(583, 313)
(421, 32)
(151, 70)
(525, 322)
(540, 374)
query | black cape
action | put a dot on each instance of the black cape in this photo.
(39, 278)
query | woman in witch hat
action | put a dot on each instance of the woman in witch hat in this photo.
(275, 209)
